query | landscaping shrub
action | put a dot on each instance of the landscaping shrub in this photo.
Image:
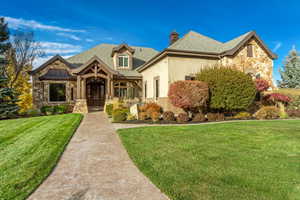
(243, 115)
(182, 118)
(47, 110)
(199, 117)
(155, 116)
(277, 97)
(220, 116)
(293, 113)
(261, 85)
(229, 89)
(60, 109)
(169, 116)
(33, 112)
(130, 117)
(143, 116)
(215, 117)
(267, 112)
(119, 115)
(189, 95)
(109, 109)
(151, 108)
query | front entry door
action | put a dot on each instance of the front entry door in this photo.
(95, 89)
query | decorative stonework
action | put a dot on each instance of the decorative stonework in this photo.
(80, 106)
(260, 64)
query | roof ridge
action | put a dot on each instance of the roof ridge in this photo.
(199, 34)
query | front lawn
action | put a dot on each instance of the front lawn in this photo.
(238, 160)
(29, 149)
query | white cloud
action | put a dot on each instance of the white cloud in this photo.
(89, 40)
(59, 48)
(16, 23)
(68, 35)
(108, 38)
(41, 60)
(277, 46)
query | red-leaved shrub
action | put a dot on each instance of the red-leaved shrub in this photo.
(168, 116)
(261, 85)
(182, 118)
(277, 97)
(189, 95)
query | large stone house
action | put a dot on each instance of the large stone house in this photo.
(108, 72)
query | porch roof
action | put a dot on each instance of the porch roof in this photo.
(57, 74)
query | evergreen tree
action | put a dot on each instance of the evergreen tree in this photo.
(8, 97)
(290, 74)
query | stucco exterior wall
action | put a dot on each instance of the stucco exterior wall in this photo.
(260, 64)
(159, 69)
(180, 67)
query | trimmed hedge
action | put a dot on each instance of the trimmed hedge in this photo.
(182, 118)
(230, 89)
(169, 116)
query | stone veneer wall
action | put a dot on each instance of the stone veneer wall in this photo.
(260, 63)
(41, 88)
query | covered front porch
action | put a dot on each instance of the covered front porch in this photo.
(97, 84)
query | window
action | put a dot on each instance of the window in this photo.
(72, 94)
(156, 87)
(250, 50)
(191, 78)
(145, 89)
(57, 92)
(123, 61)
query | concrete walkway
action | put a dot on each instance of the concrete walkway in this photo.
(95, 166)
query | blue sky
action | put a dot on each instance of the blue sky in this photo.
(69, 27)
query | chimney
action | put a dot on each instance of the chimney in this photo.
(174, 36)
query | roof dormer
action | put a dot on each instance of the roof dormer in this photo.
(122, 57)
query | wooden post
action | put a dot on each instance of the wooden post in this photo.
(83, 86)
(78, 87)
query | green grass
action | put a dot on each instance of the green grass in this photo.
(236, 161)
(29, 150)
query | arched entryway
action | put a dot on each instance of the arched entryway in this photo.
(96, 92)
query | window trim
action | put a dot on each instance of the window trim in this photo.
(250, 52)
(145, 89)
(65, 92)
(123, 56)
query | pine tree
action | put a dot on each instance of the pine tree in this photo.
(8, 97)
(291, 74)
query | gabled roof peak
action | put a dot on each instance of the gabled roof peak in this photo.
(121, 46)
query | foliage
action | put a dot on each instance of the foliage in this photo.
(277, 97)
(131, 117)
(151, 108)
(268, 112)
(189, 95)
(243, 115)
(143, 116)
(109, 109)
(199, 117)
(169, 116)
(294, 113)
(230, 89)
(30, 149)
(8, 96)
(215, 117)
(290, 74)
(155, 116)
(60, 109)
(119, 115)
(182, 118)
(33, 112)
(262, 157)
(261, 85)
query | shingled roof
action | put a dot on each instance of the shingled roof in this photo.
(57, 74)
(103, 51)
(201, 45)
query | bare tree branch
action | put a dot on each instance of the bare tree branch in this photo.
(24, 50)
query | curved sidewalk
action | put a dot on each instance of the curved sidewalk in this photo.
(95, 166)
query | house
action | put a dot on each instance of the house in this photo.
(108, 72)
